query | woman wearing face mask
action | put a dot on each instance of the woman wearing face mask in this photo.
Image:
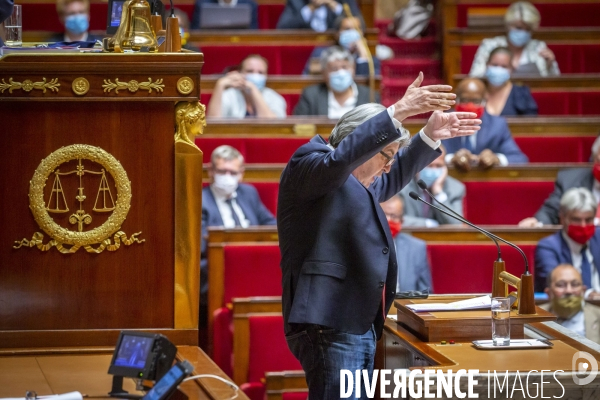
(349, 36)
(530, 56)
(75, 16)
(338, 93)
(503, 97)
(241, 94)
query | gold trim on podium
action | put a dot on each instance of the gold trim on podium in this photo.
(190, 121)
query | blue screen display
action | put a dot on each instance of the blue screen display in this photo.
(134, 351)
(165, 384)
(115, 13)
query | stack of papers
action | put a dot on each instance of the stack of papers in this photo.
(476, 303)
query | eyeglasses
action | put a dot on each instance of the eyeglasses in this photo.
(390, 160)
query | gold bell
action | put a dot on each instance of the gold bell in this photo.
(135, 31)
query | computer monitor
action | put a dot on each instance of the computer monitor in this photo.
(113, 19)
(214, 16)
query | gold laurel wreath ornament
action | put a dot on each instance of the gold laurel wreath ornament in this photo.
(63, 236)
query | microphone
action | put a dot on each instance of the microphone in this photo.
(454, 215)
(415, 196)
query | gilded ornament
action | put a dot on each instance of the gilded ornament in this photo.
(80, 86)
(28, 85)
(104, 202)
(133, 85)
(190, 120)
(185, 85)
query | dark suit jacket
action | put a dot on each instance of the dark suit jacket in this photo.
(314, 99)
(494, 135)
(337, 252)
(6, 8)
(519, 102)
(254, 211)
(414, 272)
(565, 180)
(291, 18)
(60, 37)
(195, 23)
(554, 250)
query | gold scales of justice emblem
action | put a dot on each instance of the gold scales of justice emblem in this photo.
(57, 203)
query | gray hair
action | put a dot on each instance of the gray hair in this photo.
(335, 53)
(580, 199)
(596, 146)
(523, 11)
(226, 153)
(353, 118)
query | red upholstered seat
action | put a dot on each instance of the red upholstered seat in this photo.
(295, 396)
(283, 60)
(556, 149)
(504, 203)
(255, 150)
(268, 351)
(410, 68)
(467, 268)
(268, 15)
(43, 17)
(566, 14)
(268, 192)
(223, 339)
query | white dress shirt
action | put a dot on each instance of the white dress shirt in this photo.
(318, 17)
(225, 211)
(576, 258)
(575, 323)
(335, 110)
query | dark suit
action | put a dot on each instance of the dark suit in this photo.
(494, 135)
(336, 247)
(414, 272)
(565, 180)
(554, 250)
(314, 99)
(519, 102)
(195, 23)
(254, 211)
(60, 37)
(291, 18)
(414, 212)
(6, 8)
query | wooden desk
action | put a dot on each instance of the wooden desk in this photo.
(284, 83)
(565, 81)
(55, 371)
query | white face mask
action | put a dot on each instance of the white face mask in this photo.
(225, 184)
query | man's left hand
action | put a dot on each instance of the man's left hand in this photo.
(448, 125)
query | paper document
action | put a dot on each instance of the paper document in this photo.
(65, 396)
(468, 304)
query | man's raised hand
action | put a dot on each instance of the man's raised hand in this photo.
(448, 125)
(421, 99)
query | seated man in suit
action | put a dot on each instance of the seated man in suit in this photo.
(578, 243)
(492, 145)
(414, 272)
(318, 15)
(349, 33)
(244, 93)
(338, 94)
(565, 290)
(75, 16)
(565, 180)
(446, 190)
(227, 202)
(196, 14)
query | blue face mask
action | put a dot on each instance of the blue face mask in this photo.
(497, 76)
(77, 23)
(429, 175)
(519, 37)
(259, 80)
(340, 80)
(348, 37)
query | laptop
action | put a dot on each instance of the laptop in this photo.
(214, 16)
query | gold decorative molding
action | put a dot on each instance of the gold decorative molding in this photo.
(28, 85)
(133, 85)
(80, 86)
(185, 85)
(57, 203)
(190, 120)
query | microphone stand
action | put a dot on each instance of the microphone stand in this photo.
(524, 285)
(369, 56)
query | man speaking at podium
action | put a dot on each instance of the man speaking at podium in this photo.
(338, 258)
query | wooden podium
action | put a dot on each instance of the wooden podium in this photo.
(101, 197)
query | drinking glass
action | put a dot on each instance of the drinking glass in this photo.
(501, 321)
(13, 29)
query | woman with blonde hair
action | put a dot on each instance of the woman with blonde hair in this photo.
(530, 56)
